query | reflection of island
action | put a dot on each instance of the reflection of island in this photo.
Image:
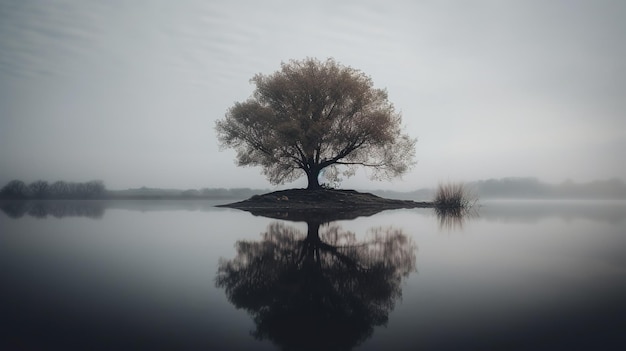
(319, 290)
(58, 209)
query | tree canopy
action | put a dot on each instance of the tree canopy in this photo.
(314, 115)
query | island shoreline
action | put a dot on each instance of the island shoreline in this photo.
(323, 204)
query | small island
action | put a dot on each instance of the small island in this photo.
(297, 204)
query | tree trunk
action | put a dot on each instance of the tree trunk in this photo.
(312, 177)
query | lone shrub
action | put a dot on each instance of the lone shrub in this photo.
(453, 195)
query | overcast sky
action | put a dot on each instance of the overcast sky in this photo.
(129, 91)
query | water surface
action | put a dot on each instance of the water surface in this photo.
(185, 275)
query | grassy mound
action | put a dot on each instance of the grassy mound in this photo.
(325, 204)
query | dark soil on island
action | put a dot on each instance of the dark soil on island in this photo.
(320, 205)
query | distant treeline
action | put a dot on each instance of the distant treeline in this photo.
(40, 189)
(205, 193)
(533, 188)
(95, 189)
(520, 188)
(525, 188)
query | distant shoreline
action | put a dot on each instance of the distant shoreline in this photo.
(504, 188)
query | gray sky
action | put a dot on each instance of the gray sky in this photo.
(129, 91)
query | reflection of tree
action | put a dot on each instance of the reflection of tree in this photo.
(317, 291)
(58, 209)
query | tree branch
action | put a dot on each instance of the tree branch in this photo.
(360, 164)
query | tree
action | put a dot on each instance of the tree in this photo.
(39, 189)
(58, 189)
(318, 290)
(311, 116)
(93, 189)
(15, 189)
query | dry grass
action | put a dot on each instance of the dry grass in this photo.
(453, 196)
(454, 204)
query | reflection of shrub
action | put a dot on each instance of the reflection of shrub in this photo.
(453, 195)
(452, 218)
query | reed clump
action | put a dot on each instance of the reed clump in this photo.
(453, 196)
(454, 204)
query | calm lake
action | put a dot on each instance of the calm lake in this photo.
(184, 275)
